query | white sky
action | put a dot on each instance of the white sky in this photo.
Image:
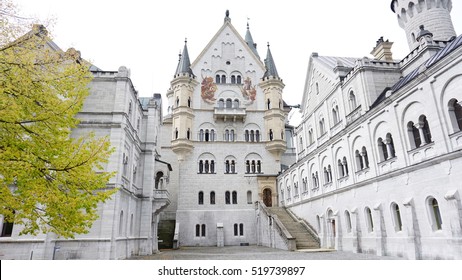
(146, 36)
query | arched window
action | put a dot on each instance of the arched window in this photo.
(271, 135)
(268, 104)
(414, 135)
(310, 136)
(359, 161)
(247, 136)
(188, 134)
(341, 172)
(241, 229)
(229, 103)
(236, 230)
(435, 215)
(369, 221)
(426, 129)
(345, 166)
(233, 79)
(212, 135)
(322, 127)
(257, 135)
(258, 166)
(159, 180)
(201, 135)
(203, 230)
(239, 79)
(201, 166)
(249, 197)
(176, 133)
(348, 221)
(352, 101)
(236, 103)
(189, 102)
(201, 198)
(234, 197)
(198, 230)
(221, 103)
(121, 222)
(227, 197)
(455, 114)
(207, 135)
(217, 79)
(212, 166)
(390, 146)
(383, 153)
(223, 79)
(233, 167)
(335, 115)
(247, 166)
(396, 217)
(227, 167)
(207, 166)
(253, 167)
(212, 197)
(131, 224)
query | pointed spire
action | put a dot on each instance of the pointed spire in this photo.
(249, 40)
(227, 18)
(271, 70)
(184, 65)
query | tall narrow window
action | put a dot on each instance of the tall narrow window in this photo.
(252, 136)
(435, 214)
(229, 103)
(426, 129)
(201, 198)
(233, 167)
(121, 222)
(239, 79)
(223, 79)
(207, 166)
(247, 136)
(249, 197)
(236, 230)
(258, 166)
(383, 153)
(227, 197)
(247, 166)
(217, 79)
(234, 197)
(369, 221)
(227, 167)
(257, 135)
(241, 229)
(212, 166)
(203, 230)
(348, 221)
(335, 115)
(396, 217)
(198, 230)
(233, 79)
(455, 114)
(414, 135)
(201, 166)
(212, 198)
(352, 101)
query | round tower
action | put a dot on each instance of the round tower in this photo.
(434, 15)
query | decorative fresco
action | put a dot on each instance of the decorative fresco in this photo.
(208, 89)
(248, 91)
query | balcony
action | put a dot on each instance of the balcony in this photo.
(161, 199)
(230, 114)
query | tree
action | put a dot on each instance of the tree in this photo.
(49, 181)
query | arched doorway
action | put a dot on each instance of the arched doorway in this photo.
(267, 198)
(331, 229)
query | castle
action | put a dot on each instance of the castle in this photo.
(378, 151)
(379, 147)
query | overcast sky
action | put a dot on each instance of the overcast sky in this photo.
(146, 36)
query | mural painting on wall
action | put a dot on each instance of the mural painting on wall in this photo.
(248, 91)
(208, 89)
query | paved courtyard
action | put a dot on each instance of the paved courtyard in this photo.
(255, 253)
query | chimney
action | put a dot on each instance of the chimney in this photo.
(382, 50)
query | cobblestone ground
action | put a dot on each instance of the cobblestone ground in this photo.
(255, 253)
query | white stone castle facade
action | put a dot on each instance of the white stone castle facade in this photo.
(378, 151)
(380, 144)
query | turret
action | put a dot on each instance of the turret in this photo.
(275, 115)
(182, 86)
(433, 14)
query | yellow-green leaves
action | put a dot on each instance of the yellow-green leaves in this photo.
(51, 181)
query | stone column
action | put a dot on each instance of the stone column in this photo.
(420, 126)
(455, 219)
(356, 231)
(338, 232)
(413, 247)
(380, 231)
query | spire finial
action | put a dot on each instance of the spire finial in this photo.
(248, 23)
(268, 44)
(227, 19)
(185, 41)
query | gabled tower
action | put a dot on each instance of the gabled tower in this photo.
(272, 86)
(433, 14)
(183, 85)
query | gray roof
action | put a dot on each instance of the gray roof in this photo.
(250, 42)
(271, 70)
(184, 64)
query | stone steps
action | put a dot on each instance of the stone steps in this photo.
(303, 238)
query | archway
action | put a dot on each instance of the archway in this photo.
(268, 198)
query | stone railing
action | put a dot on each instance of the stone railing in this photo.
(271, 232)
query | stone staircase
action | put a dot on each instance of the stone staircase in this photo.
(165, 233)
(303, 238)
